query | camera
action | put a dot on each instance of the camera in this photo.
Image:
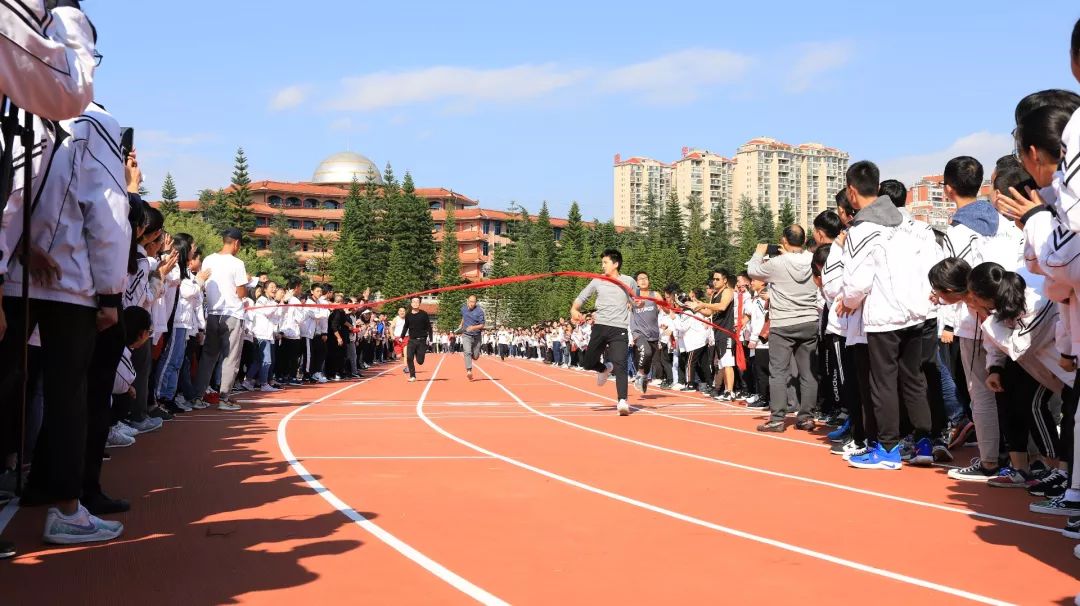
(773, 250)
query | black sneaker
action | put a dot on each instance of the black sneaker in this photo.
(101, 505)
(941, 452)
(1056, 507)
(1072, 528)
(160, 413)
(7, 550)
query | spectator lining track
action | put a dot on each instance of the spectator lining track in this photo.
(524, 486)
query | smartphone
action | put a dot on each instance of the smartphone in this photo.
(773, 250)
(127, 141)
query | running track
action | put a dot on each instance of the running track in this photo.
(525, 487)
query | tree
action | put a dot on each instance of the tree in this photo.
(206, 239)
(765, 224)
(240, 214)
(719, 249)
(652, 223)
(425, 249)
(786, 218)
(282, 251)
(672, 228)
(450, 275)
(169, 206)
(575, 254)
(349, 269)
(748, 232)
(375, 240)
(400, 278)
(697, 268)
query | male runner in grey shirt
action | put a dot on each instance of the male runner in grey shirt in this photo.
(645, 331)
(472, 325)
(611, 320)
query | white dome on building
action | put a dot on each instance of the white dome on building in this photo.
(342, 167)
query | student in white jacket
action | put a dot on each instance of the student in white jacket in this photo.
(880, 277)
(81, 235)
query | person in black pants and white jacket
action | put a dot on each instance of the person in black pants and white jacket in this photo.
(884, 275)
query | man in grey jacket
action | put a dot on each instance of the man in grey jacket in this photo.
(793, 330)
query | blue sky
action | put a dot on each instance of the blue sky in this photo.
(530, 103)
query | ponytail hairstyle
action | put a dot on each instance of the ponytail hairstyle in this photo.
(950, 276)
(137, 220)
(184, 245)
(1005, 288)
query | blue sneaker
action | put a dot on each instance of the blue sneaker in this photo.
(840, 433)
(878, 458)
(924, 453)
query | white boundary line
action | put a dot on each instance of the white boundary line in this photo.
(435, 568)
(389, 458)
(699, 522)
(778, 474)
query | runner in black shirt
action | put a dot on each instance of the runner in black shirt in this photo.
(418, 329)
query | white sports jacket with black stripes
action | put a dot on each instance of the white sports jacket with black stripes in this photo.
(79, 214)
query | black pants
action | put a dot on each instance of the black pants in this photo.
(644, 352)
(761, 373)
(414, 354)
(895, 358)
(831, 373)
(99, 384)
(1023, 409)
(850, 397)
(860, 356)
(698, 367)
(661, 367)
(291, 352)
(1069, 399)
(612, 343)
(68, 336)
(335, 355)
(932, 373)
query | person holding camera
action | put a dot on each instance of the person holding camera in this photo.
(793, 324)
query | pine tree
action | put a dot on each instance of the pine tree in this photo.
(400, 278)
(282, 251)
(574, 255)
(169, 206)
(766, 224)
(350, 269)
(218, 211)
(523, 299)
(748, 232)
(697, 264)
(206, 203)
(652, 223)
(604, 236)
(240, 214)
(450, 274)
(786, 218)
(719, 249)
(425, 250)
(375, 237)
(673, 224)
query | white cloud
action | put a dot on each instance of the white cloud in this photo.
(461, 85)
(678, 77)
(815, 60)
(984, 146)
(290, 97)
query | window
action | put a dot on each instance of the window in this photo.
(558, 233)
(435, 205)
(485, 248)
(330, 204)
(261, 243)
(309, 225)
(331, 226)
(274, 201)
(438, 227)
(292, 202)
(294, 224)
(311, 203)
(498, 227)
(260, 221)
(487, 227)
(304, 246)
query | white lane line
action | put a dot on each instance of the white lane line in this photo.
(786, 476)
(389, 458)
(435, 568)
(703, 523)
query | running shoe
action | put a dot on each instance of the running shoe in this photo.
(624, 408)
(959, 431)
(82, 527)
(941, 452)
(840, 434)
(603, 376)
(1056, 507)
(1011, 478)
(468, 374)
(1072, 528)
(878, 458)
(846, 449)
(924, 453)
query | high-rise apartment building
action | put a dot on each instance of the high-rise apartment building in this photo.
(635, 178)
(926, 200)
(765, 171)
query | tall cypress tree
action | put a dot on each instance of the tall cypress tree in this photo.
(169, 206)
(719, 249)
(218, 215)
(374, 238)
(240, 214)
(282, 252)
(673, 224)
(450, 275)
(765, 223)
(786, 218)
(652, 224)
(400, 278)
(349, 259)
(423, 226)
(696, 270)
(574, 253)
(748, 231)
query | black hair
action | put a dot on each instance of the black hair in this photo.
(1054, 97)
(743, 274)
(614, 255)
(154, 219)
(636, 275)
(292, 283)
(1013, 176)
(726, 275)
(795, 235)
(1042, 128)
(1007, 162)
(829, 223)
(136, 321)
(136, 219)
(183, 244)
(844, 203)
(672, 289)
(699, 293)
(864, 176)
(1074, 47)
(950, 275)
(965, 175)
(1004, 288)
(820, 256)
(895, 190)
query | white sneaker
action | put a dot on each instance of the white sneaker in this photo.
(180, 399)
(226, 405)
(147, 425)
(126, 429)
(184, 406)
(268, 388)
(118, 439)
(676, 386)
(655, 382)
(412, 379)
(198, 404)
(247, 386)
(79, 528)
(603, 376)
(624, 408)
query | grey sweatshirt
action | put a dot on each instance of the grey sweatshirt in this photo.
(611, 301)
(792, 292)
